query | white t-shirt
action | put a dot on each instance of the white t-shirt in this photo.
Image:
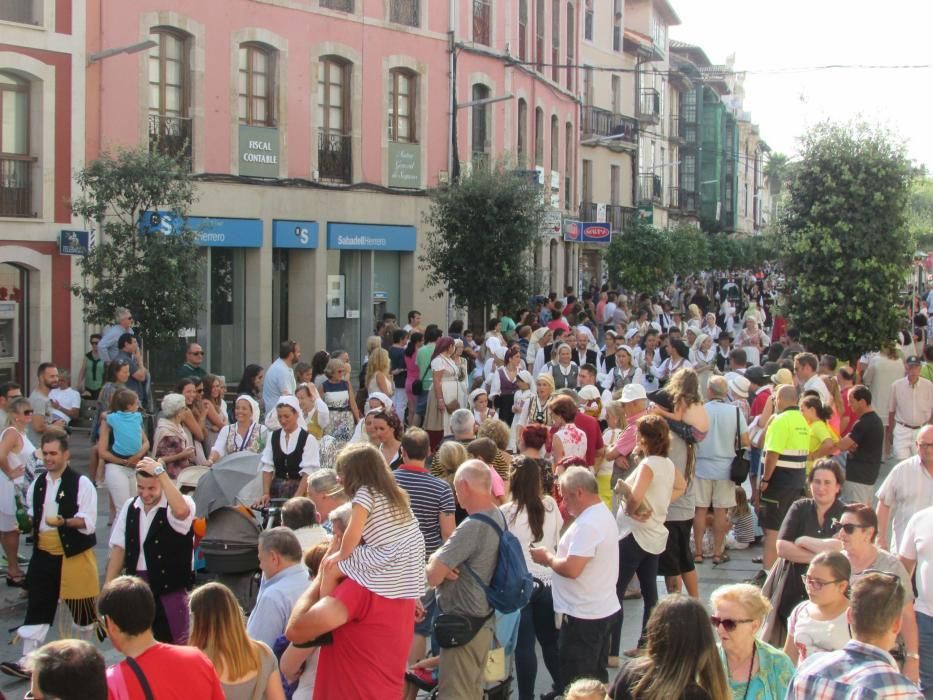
(908, 489)
(917, 544)
(650, 535)
(592, 595)
(67, 398)
(815, 636)
(816, 383)
(553, 522)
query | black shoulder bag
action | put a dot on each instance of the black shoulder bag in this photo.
(738, 472)
(417, 386)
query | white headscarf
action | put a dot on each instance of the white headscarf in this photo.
(253, 406)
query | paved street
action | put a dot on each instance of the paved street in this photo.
(12, 601)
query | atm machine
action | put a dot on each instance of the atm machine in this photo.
(9, 340)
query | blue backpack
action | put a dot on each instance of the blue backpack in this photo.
(511, 586)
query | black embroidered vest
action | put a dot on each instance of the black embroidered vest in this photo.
(168, 553)
(73, 542)
(288, 466)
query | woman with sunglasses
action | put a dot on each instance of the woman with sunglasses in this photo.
(15, 452)
(821, 622)
(754, 669)
(857, 530)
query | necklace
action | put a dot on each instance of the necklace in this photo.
(751, 666)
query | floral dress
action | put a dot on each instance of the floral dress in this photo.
(342, 423)
(573, 441)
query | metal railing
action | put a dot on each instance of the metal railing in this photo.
(334, 156)
(649, 187)
(649, 104)
(481, 22)
(171, 136)
(16, 186)
(683, 199)
(619, 216)
(404, 12)
(588, 211)
(602, 122)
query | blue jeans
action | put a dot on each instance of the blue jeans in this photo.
(925, 629)
(422, 405)
(633, 560)
(537, 622)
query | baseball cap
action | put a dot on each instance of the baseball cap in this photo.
(756, 375)
(914, 360)
(633, 392)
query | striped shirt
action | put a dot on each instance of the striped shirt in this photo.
(858, 671)
(390, 559)
(429, 497)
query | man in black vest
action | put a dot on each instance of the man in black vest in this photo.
(152, 539)
(63, 505)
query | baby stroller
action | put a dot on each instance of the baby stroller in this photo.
(232, 532)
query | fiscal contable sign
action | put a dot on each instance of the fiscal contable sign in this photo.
(259, 151)
(587, 232)
(73, 242)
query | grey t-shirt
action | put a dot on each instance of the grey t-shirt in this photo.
(40, 407)
(684, 507)
(476, 543)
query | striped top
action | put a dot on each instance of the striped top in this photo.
(390, 559)
(429, 497)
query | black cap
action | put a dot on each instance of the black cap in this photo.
(756, 375)
(913, 360)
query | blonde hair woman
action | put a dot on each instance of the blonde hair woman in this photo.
(247, 669)
(378, 379)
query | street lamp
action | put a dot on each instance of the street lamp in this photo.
(132, 48)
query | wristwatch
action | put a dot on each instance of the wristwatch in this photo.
(159, 470)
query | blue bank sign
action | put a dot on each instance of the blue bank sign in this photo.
(294, 234)
(371, 237)
(211, 232)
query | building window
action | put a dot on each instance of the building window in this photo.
(403, 101)
(539, 35)
(256, 86)
(169, 90)
(555, 40)
(480, 135)
(341, 5)
(588, 21)
(555, 144)
(616, 94)
(539, 137)
(21, 11)
(570, 48)
(658, 32)
(404, 12)
(587, 180)
(568, 166)
(522, 141)
(16, 162)
(615, 181)
(522, 30)
(616, 25)
(588, 85)
(482, 22)
(333, 118)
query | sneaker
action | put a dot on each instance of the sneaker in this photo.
(11, 668)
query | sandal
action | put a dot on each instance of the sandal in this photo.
(17, 582)
(721, 558)
(697, 558)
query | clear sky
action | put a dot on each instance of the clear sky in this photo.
(799, 33)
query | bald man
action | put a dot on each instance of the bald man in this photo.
(908, 489)
(787, 445)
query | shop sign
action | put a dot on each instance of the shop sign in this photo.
(210, 232)
(552, 222)
(258, 154)
(73, 242)
(294, 234)
(586, 232)
(371, 237)
(405, 165)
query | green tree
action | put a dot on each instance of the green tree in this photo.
(920, 212)
(481, 232)
(777, 170)
(690, 250)
(640, 258)
(844, 240)
(149, 272)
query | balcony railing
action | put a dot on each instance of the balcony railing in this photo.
(171, 136)
(619, 216)
(588, 211)
(334, 156)
(481, 22)
(16, 186)
(404, 12)
(649, 105)
(602, 122)
(678, 127)
(649, 187)
(685, 200)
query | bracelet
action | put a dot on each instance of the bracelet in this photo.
(913, 655)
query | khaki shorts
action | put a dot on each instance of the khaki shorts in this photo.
(718, 492)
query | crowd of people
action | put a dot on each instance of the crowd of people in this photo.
(610, 438)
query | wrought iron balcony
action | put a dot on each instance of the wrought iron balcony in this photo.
(649, 105)
(588, 211)
(16, 186)
(683, 199)
(619, 216)
(650, 188)
(334, 156)
(171, 136)
(603, 123)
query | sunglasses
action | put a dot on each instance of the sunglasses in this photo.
(849, 528)
(28, 412)
(197, 352)
(815, 583)
(727, 624)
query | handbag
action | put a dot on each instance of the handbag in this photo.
(739, 469)
(417, 386)
(454, 630)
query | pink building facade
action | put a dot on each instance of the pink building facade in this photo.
(315, 128)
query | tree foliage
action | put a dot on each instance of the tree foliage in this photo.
(640, 258)
(844, 240)
(151, 273)
(920, 212)
(481, 231)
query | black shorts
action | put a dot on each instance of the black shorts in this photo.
(676, 558)
(775, 502)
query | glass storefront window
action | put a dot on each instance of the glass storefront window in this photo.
(227, 330)
(343, 333)
(280, 260)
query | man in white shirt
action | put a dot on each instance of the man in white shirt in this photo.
(909, 409)
(107, 346)
(908, 489)
(64, 402)
(280, 377)
(916, 552)
(806, 366)
(152, 538)
(585, 571)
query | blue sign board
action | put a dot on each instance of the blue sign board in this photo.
(371, 237)
(294, 234)
(73, 242)
(212, 232)
(587, 232)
